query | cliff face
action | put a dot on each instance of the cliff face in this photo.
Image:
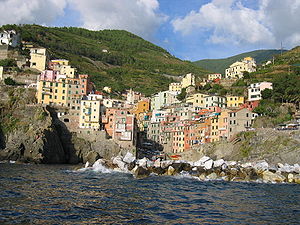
(28, 133)
(261, 144)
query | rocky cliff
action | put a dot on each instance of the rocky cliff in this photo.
(30, 133)
(261, 144)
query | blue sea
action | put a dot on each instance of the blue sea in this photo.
(60, 194)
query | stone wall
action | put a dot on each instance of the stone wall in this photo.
(3, 52)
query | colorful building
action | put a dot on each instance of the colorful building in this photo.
(234, 101)
(188, 80)
(237, 69)
(198, 99)
(175, 87)
(214, 76)
(38, 58)
(90, 114)
(254, 90)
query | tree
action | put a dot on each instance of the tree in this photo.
(9, 81)
(182, 94)
(246, 75)
(267, 93)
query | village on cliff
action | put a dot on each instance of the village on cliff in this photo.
(173, 121)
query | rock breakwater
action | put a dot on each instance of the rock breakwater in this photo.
(206, 169)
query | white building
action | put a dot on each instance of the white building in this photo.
(163, 99)
(254, 90)
(214, 76)
(188, 80)
(215, 100)
(237, 69)
(9, 37)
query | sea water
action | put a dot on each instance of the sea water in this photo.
(61, 194)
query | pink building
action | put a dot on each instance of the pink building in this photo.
(49, 75)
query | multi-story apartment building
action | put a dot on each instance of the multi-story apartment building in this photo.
(61, 90)
(163, 99)
(188, 80)
(214, 76)
(254, 90)
(38, 58)
(234, 101)
(90, 114)
(198, 99)
(236, 69)
(175, 87)
(215, 101)
(239, 120)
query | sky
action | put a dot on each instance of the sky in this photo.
(188, 29)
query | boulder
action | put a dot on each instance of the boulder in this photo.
(129, 158)
(208, 164)
(218, 163)
(297, 179)
(261, 165)
(286, 168)
(141, 172)
(171, 171)
(296, 168)
(231, 163)
(158, 170)
(121, 165)
(272, 177)
(131, 165)
(290, 178)
(165, 164)
(91, 157)
(201, 161)
(212, 176)
(202, 176)
(142, 162)
(157, 163)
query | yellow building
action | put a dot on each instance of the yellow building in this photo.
(234, 101)
(188, 80)
(214, 76)
(175, 87)
(52, 92)
(197, 99)
(61, 62)
(90, 116)
(62, 91)
(68, 71)
(38, 58)
(141, 107)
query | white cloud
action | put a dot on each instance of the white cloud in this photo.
(231, 22)
(32, 11)
(137, 16)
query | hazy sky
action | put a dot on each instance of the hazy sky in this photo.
(188, 29)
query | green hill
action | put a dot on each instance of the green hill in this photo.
(219, 65)
(114, 58)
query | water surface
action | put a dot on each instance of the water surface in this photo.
(43, 194)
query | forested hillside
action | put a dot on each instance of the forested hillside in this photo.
(219, 65)
(113, 58)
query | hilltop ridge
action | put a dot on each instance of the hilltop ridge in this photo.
(115, 58)
(219, 65)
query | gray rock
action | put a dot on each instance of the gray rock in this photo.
(218, 163)
(141, 172)
(208, 164)
(142, 162)
(272, 177)
(212, 176)
(201, 161)
(261, 165)
(170, 171)
(157, 163)
(129, 157)
(164, 164)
